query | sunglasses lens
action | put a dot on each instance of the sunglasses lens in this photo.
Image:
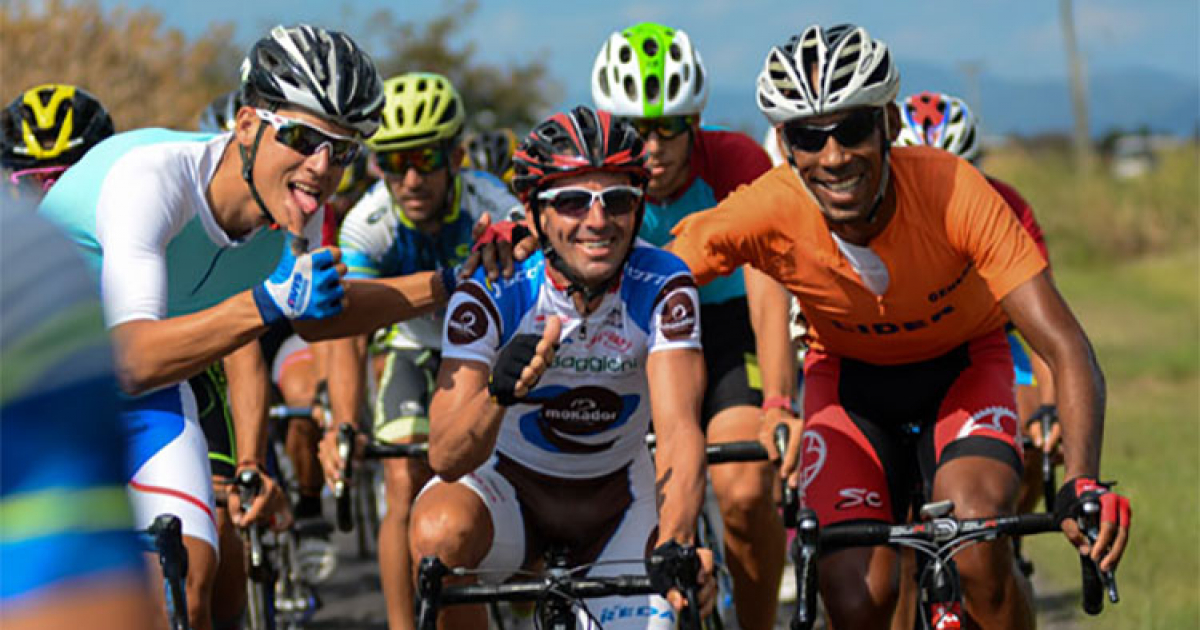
(666, 127)
(572, 202)
(855, 129)
(618, 202)
(851, 131)
(425, 160)
(807, 139)
(305, 140)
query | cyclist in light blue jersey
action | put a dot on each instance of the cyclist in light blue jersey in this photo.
(176, 225)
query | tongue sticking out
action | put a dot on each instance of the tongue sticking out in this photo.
(307, 202)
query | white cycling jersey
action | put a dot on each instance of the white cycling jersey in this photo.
(136, 205)
(377, 240)
(593, 408)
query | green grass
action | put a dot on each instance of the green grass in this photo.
(1144, 319)
(1090, 220)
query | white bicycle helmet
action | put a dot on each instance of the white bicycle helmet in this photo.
(942, 121)
(649, 70)
(319, 70)
(824, 71)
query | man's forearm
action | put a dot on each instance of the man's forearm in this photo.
(770, 305)
(376, 303)
(1081, 401)
(465, 434)
(680, 485)
(249, 393)
(153, 353)
(347, 377)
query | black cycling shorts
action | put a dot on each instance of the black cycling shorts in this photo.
(209, 388)
(729, 357)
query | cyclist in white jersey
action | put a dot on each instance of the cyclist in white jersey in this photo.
(173, 223)
(549, 380)
(418, 217)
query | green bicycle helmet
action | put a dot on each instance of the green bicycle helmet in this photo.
(649, 70)
(421, 107)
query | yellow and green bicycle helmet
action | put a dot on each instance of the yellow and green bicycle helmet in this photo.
(420, 108)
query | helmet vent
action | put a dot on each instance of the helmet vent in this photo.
(624, 54)
(880, 74)
(650, 47)
(653, 88)
(602, 81)
(421, 85)
(420, 112)
(630, 88)
(699, 89)
(673, 86)
(450, 113)
(674, 51)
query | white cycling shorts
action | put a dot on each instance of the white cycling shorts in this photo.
(168, 468)
(628, 542)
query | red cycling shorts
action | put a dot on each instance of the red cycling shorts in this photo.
(875, 435)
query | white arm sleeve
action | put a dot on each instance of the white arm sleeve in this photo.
(137, 215)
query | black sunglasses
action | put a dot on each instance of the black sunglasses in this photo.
(850, 131)
(575, 202)
(306, 140)
(666, 127)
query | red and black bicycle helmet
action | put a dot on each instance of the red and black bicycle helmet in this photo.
(572, 143)
(580, 141)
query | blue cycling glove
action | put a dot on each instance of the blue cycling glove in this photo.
(304, 286)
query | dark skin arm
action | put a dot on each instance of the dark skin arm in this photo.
(1047, 323)
(770, 303)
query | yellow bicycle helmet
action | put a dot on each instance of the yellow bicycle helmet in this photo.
(420, 108)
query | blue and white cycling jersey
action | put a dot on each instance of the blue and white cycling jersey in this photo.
(136, 205)
(377, 240)
(594, 409)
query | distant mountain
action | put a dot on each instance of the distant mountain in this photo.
(1126, 99)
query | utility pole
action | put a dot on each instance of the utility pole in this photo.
(971, 71)
(1078, 76)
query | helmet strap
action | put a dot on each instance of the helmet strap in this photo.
(248, 157)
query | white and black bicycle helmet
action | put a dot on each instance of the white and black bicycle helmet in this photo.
(825, 71)
(322, 71)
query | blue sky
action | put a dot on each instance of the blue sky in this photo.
(1011, 38)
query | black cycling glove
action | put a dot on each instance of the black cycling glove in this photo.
(514, 358)
(672, 565)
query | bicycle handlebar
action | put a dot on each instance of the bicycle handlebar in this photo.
(945, 533)
(249, 483)
(432, 594)
(373, 450)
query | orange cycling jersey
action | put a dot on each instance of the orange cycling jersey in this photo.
(953, 249)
